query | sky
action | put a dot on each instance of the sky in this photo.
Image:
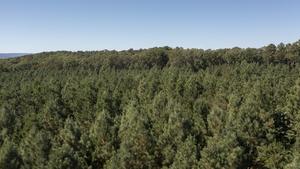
(50, 25)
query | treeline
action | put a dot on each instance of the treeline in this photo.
(152, 108)
(193, 59)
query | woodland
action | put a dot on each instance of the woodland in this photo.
(163, 107)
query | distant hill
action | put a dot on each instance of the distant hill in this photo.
(9, 55)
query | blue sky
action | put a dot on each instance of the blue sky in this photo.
(50, 25)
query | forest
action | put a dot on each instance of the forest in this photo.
(163, 107)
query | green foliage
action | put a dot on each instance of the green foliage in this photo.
(152, 108)
(136, 140)
(186, 155)
(9, 156)
(34, 148)
(222, 152)
(103, 135)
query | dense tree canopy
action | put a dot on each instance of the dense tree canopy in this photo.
(152, 108)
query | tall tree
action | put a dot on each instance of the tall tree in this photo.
(34, 148)
(136, 148)
(103, 135)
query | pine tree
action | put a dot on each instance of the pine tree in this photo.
(176, 129)
(103, 135)
(292, 109)
(222, 152)
(136, 140)
(7, 120)
(9, 156)
(67, 151)
(34, 148)
(186, 155)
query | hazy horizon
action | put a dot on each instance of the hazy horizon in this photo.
(52, 25)
(148, 48)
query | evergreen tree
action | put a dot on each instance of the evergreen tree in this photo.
(34, 149)
(186, 155)
(136, 140)
(292, 108)
(103, 135)
(67, 151)
(222, 152)
(9, 156)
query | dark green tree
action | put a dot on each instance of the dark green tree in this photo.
(103, 135)
(136, 141)
(9, 156)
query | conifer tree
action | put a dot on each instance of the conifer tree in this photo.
(186, 155)
(136, 140)
(222, 152)
(9, 156)
(67, 151)
(34, 148)
(103, 135)
(292, 108)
